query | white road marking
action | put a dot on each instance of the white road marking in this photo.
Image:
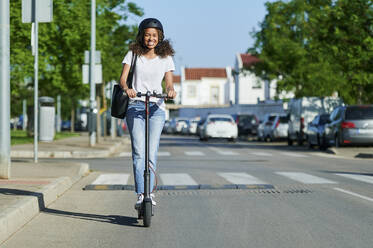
(164, 154)
(177, 179)
(111, 179)
(241, 178)
(354, 194)
(305, 178)
(194, 153)
(362, 178)
(292, 154)
(223, 152)
(125, 154)
(261, 154)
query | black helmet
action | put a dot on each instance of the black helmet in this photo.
(150, 23)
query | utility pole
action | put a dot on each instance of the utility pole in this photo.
(92, 82)
(4, 90)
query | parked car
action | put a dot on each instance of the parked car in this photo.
(192, 127)
(350, 125)
(316, 131)
(219, 126)
(302, 111)
(166, 126)
(180, 123)
(247, 124)
(276, 127)
(262, 123)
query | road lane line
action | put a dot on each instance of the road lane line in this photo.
(305, 178)
(241, 178)
(111, 179)
(296, 155)
(354, 194)
(194, 153)
(177, 179)
(223, 152)
(125, 154)
(261, 154)
(362, 178)
(164, 154)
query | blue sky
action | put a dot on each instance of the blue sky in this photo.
(206, 33)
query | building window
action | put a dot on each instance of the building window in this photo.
(191, 91)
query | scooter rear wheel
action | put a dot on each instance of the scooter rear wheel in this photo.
(147, 213)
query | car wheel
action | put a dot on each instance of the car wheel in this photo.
(299, 140)
(310, 145)
(290, 141)
(323, 145)
(336, 141)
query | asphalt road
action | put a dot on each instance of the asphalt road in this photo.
(312, 199)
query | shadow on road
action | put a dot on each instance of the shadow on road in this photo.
(111, 219)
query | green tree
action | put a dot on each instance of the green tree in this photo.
(317, 47)
(61, 49)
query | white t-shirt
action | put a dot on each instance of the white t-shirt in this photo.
(149, 74)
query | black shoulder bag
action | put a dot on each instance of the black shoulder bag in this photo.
(119, 99)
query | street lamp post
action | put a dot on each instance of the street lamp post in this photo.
(92, 82)
(4, 90)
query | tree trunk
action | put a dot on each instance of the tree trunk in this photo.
(72, 128)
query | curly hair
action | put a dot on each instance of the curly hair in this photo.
(163, 49)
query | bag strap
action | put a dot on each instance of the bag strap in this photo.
(132, 69)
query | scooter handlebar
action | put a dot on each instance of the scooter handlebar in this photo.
(154, 94)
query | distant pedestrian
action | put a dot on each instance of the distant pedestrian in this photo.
(154, 63)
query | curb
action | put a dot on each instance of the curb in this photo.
(19, 214)
(70, 154)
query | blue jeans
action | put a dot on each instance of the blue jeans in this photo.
(136, 126)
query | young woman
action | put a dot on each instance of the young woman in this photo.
(154, 63)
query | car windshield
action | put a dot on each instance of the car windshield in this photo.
(220, 119)
(323, 119)
(271, 118)
(283, 119)
(359, 113)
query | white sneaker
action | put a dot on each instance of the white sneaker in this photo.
(140, 199)
(152, 196)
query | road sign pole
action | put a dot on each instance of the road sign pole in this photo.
(36, 81)
(4, 91)
(92, 98)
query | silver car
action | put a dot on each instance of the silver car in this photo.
(276, 128)
(350, 125)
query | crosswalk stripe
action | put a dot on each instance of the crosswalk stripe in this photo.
(240, 178)
(125, 154)
(177, 179)
(362, 178)
(194, 153)
(305, 178)
(296, 155)
(223, 152)
(111, 179)
(164, 154)
(261, 154)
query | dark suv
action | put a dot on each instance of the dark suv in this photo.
(350, 125)
(247, 124)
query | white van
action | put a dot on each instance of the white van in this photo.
(301, 111)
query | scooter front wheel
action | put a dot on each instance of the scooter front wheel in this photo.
(147, 213)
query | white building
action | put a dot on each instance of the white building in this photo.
(205, 86)
(176, 79)
(250, 89)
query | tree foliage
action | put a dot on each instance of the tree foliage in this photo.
(318, 47)
(61, 49)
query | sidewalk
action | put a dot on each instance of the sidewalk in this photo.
(33, 186)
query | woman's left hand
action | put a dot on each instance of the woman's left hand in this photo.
(171, 93)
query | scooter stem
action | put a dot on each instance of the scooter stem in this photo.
(147, 170)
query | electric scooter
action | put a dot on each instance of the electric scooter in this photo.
(146, 210)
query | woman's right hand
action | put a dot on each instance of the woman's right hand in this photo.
(131, 93)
